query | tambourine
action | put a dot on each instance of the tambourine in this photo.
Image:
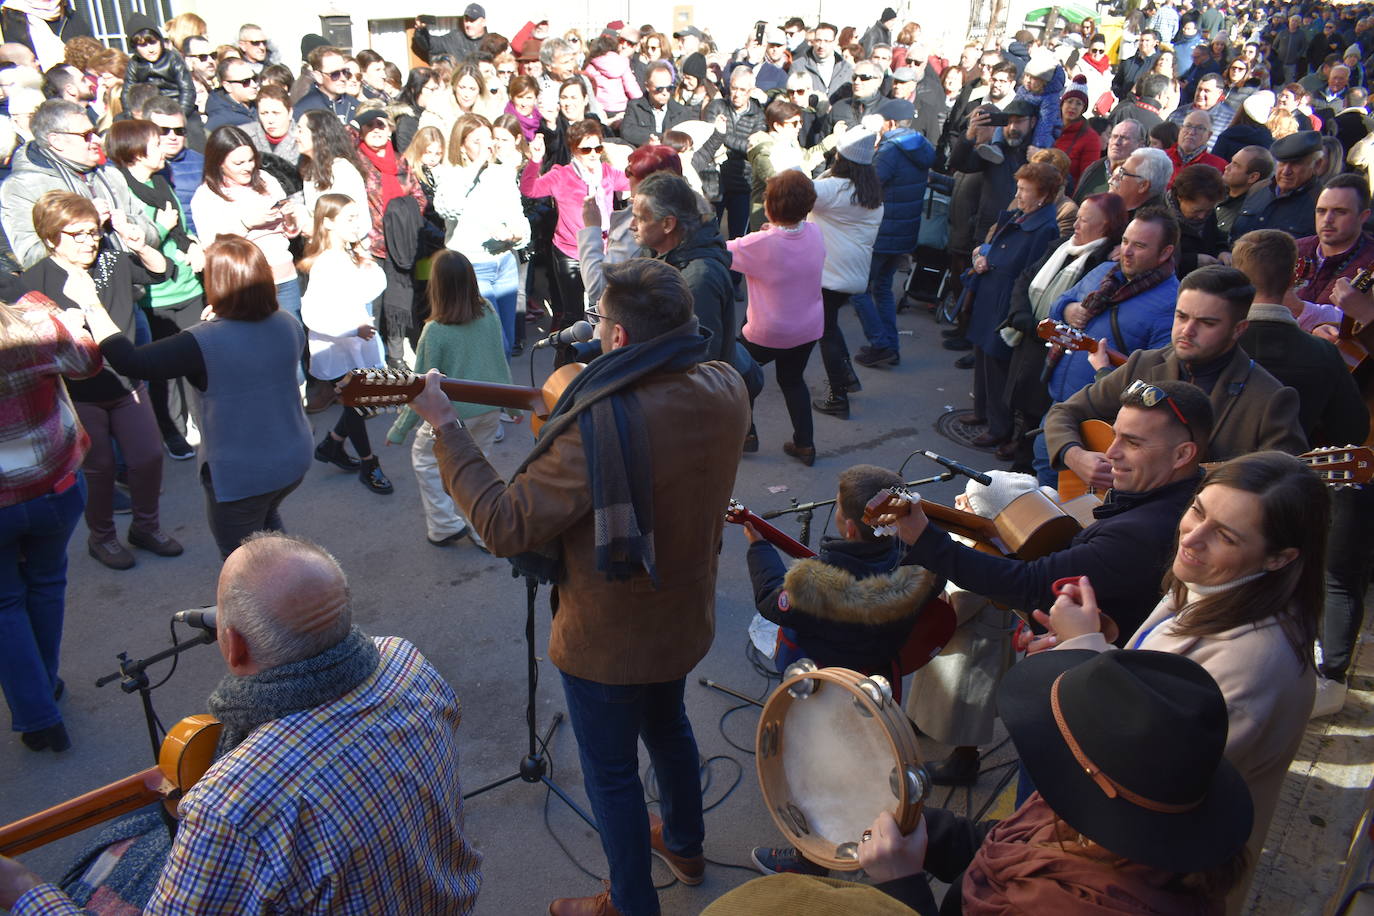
(833, 751)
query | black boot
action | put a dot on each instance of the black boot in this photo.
(958, 769)
(370, 473)
(835, 403)
(331, 451)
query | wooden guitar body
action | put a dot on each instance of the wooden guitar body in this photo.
(1096, 436)
(186, 753)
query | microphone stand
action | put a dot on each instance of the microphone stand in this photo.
(534, 767)
(133, 678)
(804, 513)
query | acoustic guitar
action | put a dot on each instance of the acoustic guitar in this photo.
(186, 753)
(1031, 526)
(373, 390)
(1337, 466)
(1059, 334)
(1352, 351)
(935, 622)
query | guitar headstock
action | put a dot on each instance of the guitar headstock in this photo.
(1351, 466)
(1058, 334)
(372, 390)
(894, 502)
(1363, 279)
(735, 512)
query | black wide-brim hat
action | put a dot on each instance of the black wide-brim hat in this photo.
(1155, 723)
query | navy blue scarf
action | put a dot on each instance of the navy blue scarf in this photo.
(602, 402)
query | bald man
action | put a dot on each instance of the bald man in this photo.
(336, 789)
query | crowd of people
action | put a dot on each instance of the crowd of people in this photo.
(1184, 188)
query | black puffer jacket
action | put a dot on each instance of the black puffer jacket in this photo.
(168, 73)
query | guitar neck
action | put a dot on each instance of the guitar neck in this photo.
(493, 394)
(960, 522)
(95, 807)
(784, 542)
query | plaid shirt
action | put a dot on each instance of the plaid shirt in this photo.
(352, 807)
(41, 441)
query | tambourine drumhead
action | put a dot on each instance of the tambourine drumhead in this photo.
(833, 751)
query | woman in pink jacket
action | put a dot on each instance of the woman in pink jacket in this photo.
(612, 79)
(588, 175)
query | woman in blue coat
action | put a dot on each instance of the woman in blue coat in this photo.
(1023, 233)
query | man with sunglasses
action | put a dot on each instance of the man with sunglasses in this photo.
(64, 155)
(232, 102)
(864, 99)
(185, 166)
(254, 46)
(330, 73)
(200, 57)
(655, 112)
(1253, 410)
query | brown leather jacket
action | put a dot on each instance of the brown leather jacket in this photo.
(623, 632)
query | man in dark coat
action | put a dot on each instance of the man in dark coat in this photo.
(830, 71)
(1142, 61)
(461, 43)
(1330, 406)
(232, 103)
(1289, 200)
(654, 113)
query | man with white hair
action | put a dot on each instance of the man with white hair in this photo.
(743, 119)
(1337, 85)
(1142, 179)
(1127, 136)
(336, 788)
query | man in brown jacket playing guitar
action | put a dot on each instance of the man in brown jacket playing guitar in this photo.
(621, 505)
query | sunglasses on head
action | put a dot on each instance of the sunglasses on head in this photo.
(1152, 395)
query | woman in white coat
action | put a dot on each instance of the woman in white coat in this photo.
(484, 217)
(344, 281)
(849, 210)
(1242, 599)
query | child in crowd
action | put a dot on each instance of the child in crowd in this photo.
(1042, 85)
(157, 65)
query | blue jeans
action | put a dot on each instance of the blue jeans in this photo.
(33, 587)
(289, 300)
(876, 306)
(498, 280)
(609, 720)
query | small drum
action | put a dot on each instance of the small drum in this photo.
(833, 751)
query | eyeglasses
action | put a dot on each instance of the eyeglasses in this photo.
(83, 235)
(246, 81)
(594, 314)
(1151, 395)
(203, 58)
(863, 77)
(591, 149)
(505, 73)
(573, 40)
(799, 91)
(90, 136)
(172, 131)
(1122, 173)
(657, 89)
(260, 42)
(341, 73)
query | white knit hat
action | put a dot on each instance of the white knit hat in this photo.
(858, 146)
(988, 502)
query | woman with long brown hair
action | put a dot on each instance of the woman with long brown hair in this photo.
(462, 339)
(1242, 599)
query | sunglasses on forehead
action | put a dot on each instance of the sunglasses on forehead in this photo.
(1151, 396)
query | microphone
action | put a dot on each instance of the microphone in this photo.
(203, 619)
(581, 332)
(958, 468)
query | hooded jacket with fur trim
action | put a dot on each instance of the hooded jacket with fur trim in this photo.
(853, 606)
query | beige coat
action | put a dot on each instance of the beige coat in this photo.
(1269, 693)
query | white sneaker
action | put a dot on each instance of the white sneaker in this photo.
(1330, 697)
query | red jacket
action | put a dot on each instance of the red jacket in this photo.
(1202, 158)
(1082, 144)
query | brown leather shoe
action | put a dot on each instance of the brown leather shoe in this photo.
(805, 454)
(600, 905)
(687, 870)
(111, 553)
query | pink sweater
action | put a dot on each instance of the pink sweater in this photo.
(783, 270)
(613, 82)
(568, 190)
